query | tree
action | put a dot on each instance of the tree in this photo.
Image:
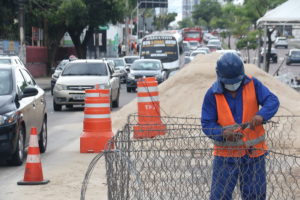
(163, 21)
(206, 10)
(186, 23)
(8, 14)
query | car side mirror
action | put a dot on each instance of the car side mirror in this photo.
(29, 92)
(127, 69)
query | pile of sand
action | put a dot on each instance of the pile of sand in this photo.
(183, 93)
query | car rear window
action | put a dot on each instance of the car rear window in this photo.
(130, 60)
(5, 82)
(295, 53)
(145, 66)
(5, 61)
(85, 69)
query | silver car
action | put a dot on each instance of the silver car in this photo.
(80, 75)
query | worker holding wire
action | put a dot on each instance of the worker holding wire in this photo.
(233, 112)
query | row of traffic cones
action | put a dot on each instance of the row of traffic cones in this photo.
(97, 129)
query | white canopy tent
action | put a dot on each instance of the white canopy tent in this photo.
(287, 13)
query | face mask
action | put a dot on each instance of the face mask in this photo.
(233, 87)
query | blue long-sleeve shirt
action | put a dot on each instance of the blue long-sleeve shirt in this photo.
(268, 102)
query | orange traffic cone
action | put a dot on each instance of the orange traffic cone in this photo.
(33, 171)
(97, 129)
(149, 120)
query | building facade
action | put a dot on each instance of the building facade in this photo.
(187, 7)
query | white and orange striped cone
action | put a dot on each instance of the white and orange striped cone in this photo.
(33, 171)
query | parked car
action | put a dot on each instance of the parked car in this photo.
(130, 59)
(57, 72)
(144, 68)
(281, 42)
(119, 66)
(11, 60)
(22, 106)
(80, 75)
(273, 56)
(293, 56)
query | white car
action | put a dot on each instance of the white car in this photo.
(80, 75)
(194, 45)
(195, 53)
(11, 60)
(281, 42)
(215, 42)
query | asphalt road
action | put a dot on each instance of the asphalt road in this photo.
(62, 130)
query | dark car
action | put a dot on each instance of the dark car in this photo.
(293, 56)
(144, 68)
(22, 106)
(273, 56)
(119, 66)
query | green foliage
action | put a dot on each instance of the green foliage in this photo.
(207, 10)
(249, 41)
(163, 21)
(8, 13)
(186, 23)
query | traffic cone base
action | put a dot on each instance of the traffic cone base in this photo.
(94, 142)
(148, 130)
(33, 182)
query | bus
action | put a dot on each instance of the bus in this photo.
(166, 46)
(192, 34)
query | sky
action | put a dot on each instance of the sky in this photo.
(176, 6)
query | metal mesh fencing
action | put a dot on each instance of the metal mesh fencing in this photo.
(178, 164)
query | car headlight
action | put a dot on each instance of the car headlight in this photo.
(60, 87)
(8, 118)
(130, 76)
(105, 86)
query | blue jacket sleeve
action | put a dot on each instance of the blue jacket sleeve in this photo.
(266, 99)
(209, 117)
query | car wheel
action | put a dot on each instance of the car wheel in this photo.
(128, 89)
(18, 156)
(115, 103)
(69, 106)
(43, 137)
(56, 106)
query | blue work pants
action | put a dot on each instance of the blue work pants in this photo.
(251, 173)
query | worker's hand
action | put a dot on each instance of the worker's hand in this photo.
(256, 121)
(229, 134)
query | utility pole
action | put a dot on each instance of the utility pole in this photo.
(126, 30)
(22, 53)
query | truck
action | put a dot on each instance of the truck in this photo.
(192, 34)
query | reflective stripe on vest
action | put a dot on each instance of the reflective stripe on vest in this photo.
(251, 138)
(97, 105)
(97, 116)
(147, 99)
(240, 142)
(147, 89)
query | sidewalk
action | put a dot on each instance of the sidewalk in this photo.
(44, 82)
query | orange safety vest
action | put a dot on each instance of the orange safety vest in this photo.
(253, 142)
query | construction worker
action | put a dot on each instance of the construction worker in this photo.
(239, 151)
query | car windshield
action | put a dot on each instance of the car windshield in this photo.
(295, 53)
(5, 61)
(119, 63)
(5, 82)
(192, 35)
(146, 65)
(85, 69)
(130, 60)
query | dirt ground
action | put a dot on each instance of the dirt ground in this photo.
(181, 95)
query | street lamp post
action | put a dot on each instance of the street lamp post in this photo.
(22, 52)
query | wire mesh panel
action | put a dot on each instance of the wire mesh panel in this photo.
(179, 165)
